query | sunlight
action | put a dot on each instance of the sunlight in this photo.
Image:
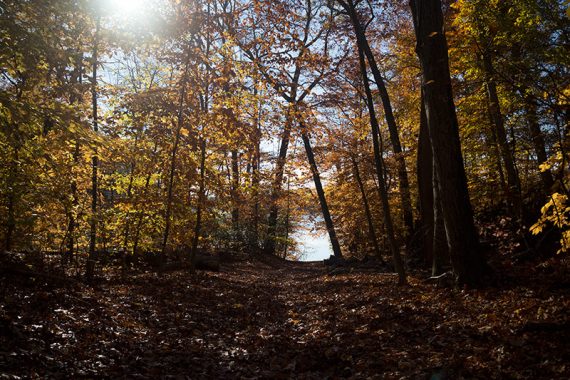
(130, 11)
(130, 7)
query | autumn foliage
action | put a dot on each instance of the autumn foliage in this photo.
(428, 137)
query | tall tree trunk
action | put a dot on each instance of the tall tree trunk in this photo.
(76, 78)
(538, 141)
(74, 204)
(462, 237)
(141, 213)
(90, 270)
(371, 231)
(277, 184)
(129, 196)
(379, 164)
(255, 181)
(287, 216)
(321, 193)
(425, 187)
(171, 175)
(497, 156)
(200, 201)
(439, 240)
(496, 116)
(235, 193)
(403, 181)
(11, 217)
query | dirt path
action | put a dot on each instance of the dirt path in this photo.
(251, 320)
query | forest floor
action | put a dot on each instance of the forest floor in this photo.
(289, 320)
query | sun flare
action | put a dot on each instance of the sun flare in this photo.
(130, 10)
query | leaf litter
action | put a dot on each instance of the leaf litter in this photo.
(257, 321)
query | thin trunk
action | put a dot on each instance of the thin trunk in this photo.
(129, 196)
(498, 162)
(403, 181)
(513, 181)
(538, 142)
(255, 181)
(321, 194)
(200, 200)
(379, 164)
(287, 216)
(371, 231)
(170, 185)
(90, 270)
(235, 192)
(276, 189)
(462, 237)
(255, 190)
(141, 213)
(74, 203)
(77, 78)
(11, 219)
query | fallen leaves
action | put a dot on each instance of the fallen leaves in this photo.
(254, 321)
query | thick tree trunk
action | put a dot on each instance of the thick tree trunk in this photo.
(371, 231)
(403, 181)
(321, 193)
(379, 164)
(425, 187)
(439, 240)
(462, 237)
(496, 116)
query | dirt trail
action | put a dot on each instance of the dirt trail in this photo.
(252, 320)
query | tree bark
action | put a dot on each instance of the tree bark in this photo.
(462, 237)
(276, 189)
(371, 231)
(235, 193)
(90, 270)
(439, 240)
(200, 201)
(403, 181)
(77, 78)
(171, 175)
(255, 182)
(379, 165)
(425, 187)
(321, 194)
(538, 142)
(496, 116)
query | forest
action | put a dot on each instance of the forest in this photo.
(161, 162)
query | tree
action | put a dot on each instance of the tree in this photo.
(462, 237)
(362, 42)
(294, 83)
(379, 164)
